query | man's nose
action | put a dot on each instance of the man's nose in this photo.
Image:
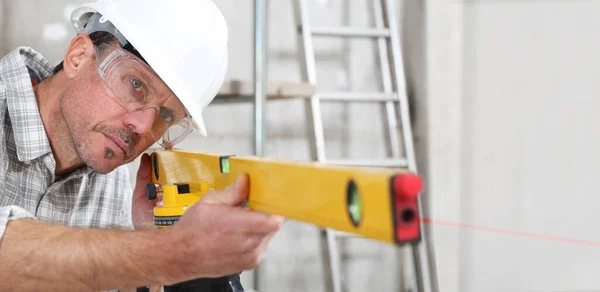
(141, 121)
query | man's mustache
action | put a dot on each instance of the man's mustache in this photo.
(125, 134)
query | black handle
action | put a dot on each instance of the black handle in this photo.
(151, 191)
(229, 283)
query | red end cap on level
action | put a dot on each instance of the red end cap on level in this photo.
(407, 185)
(406, 188)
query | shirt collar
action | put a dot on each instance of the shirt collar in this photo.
(17, 71)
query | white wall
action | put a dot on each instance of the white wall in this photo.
(438, 129)
(529, 141)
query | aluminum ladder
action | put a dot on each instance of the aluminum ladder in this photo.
(393, 97)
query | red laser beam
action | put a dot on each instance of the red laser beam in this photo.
(513, 232)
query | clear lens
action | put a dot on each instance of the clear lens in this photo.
(173, 134)
(135, 86)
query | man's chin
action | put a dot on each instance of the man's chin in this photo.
(103, 164)
(102, 159)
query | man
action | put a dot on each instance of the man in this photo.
(139, 72)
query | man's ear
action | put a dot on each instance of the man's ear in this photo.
(81, 51)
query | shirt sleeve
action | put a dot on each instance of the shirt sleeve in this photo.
(9, 213)
(126, 191)
(126, 218)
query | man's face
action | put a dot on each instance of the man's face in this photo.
(100, 113)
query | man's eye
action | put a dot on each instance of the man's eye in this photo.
(166, 115)
(136, 84)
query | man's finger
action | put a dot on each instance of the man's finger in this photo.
(233, 195)
(255, 222)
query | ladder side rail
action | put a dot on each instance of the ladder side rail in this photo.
(384, 60)
(400, 82)
(392, 122)
(310, 74)
(313, 109)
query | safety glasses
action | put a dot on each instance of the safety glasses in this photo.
(139, 90)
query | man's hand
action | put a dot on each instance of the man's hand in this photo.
(218, 237)
(143, 209)
(215, 237)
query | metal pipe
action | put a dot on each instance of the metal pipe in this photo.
(260, 95)
(3, 14)
(260, 74)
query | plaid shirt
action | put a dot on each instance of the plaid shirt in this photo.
(28, 185)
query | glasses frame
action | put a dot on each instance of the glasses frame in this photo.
(104, 69)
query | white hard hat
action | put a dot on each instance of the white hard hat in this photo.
(184, 41)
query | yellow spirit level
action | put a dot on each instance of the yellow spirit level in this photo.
(375, 203)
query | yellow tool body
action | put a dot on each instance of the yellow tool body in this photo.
(379, 204)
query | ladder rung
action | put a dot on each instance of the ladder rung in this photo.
(368, 162)
(357, 96)
(342, 234)
(350, 32)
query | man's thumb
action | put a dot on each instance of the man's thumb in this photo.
(144, 172)
(233, 195)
